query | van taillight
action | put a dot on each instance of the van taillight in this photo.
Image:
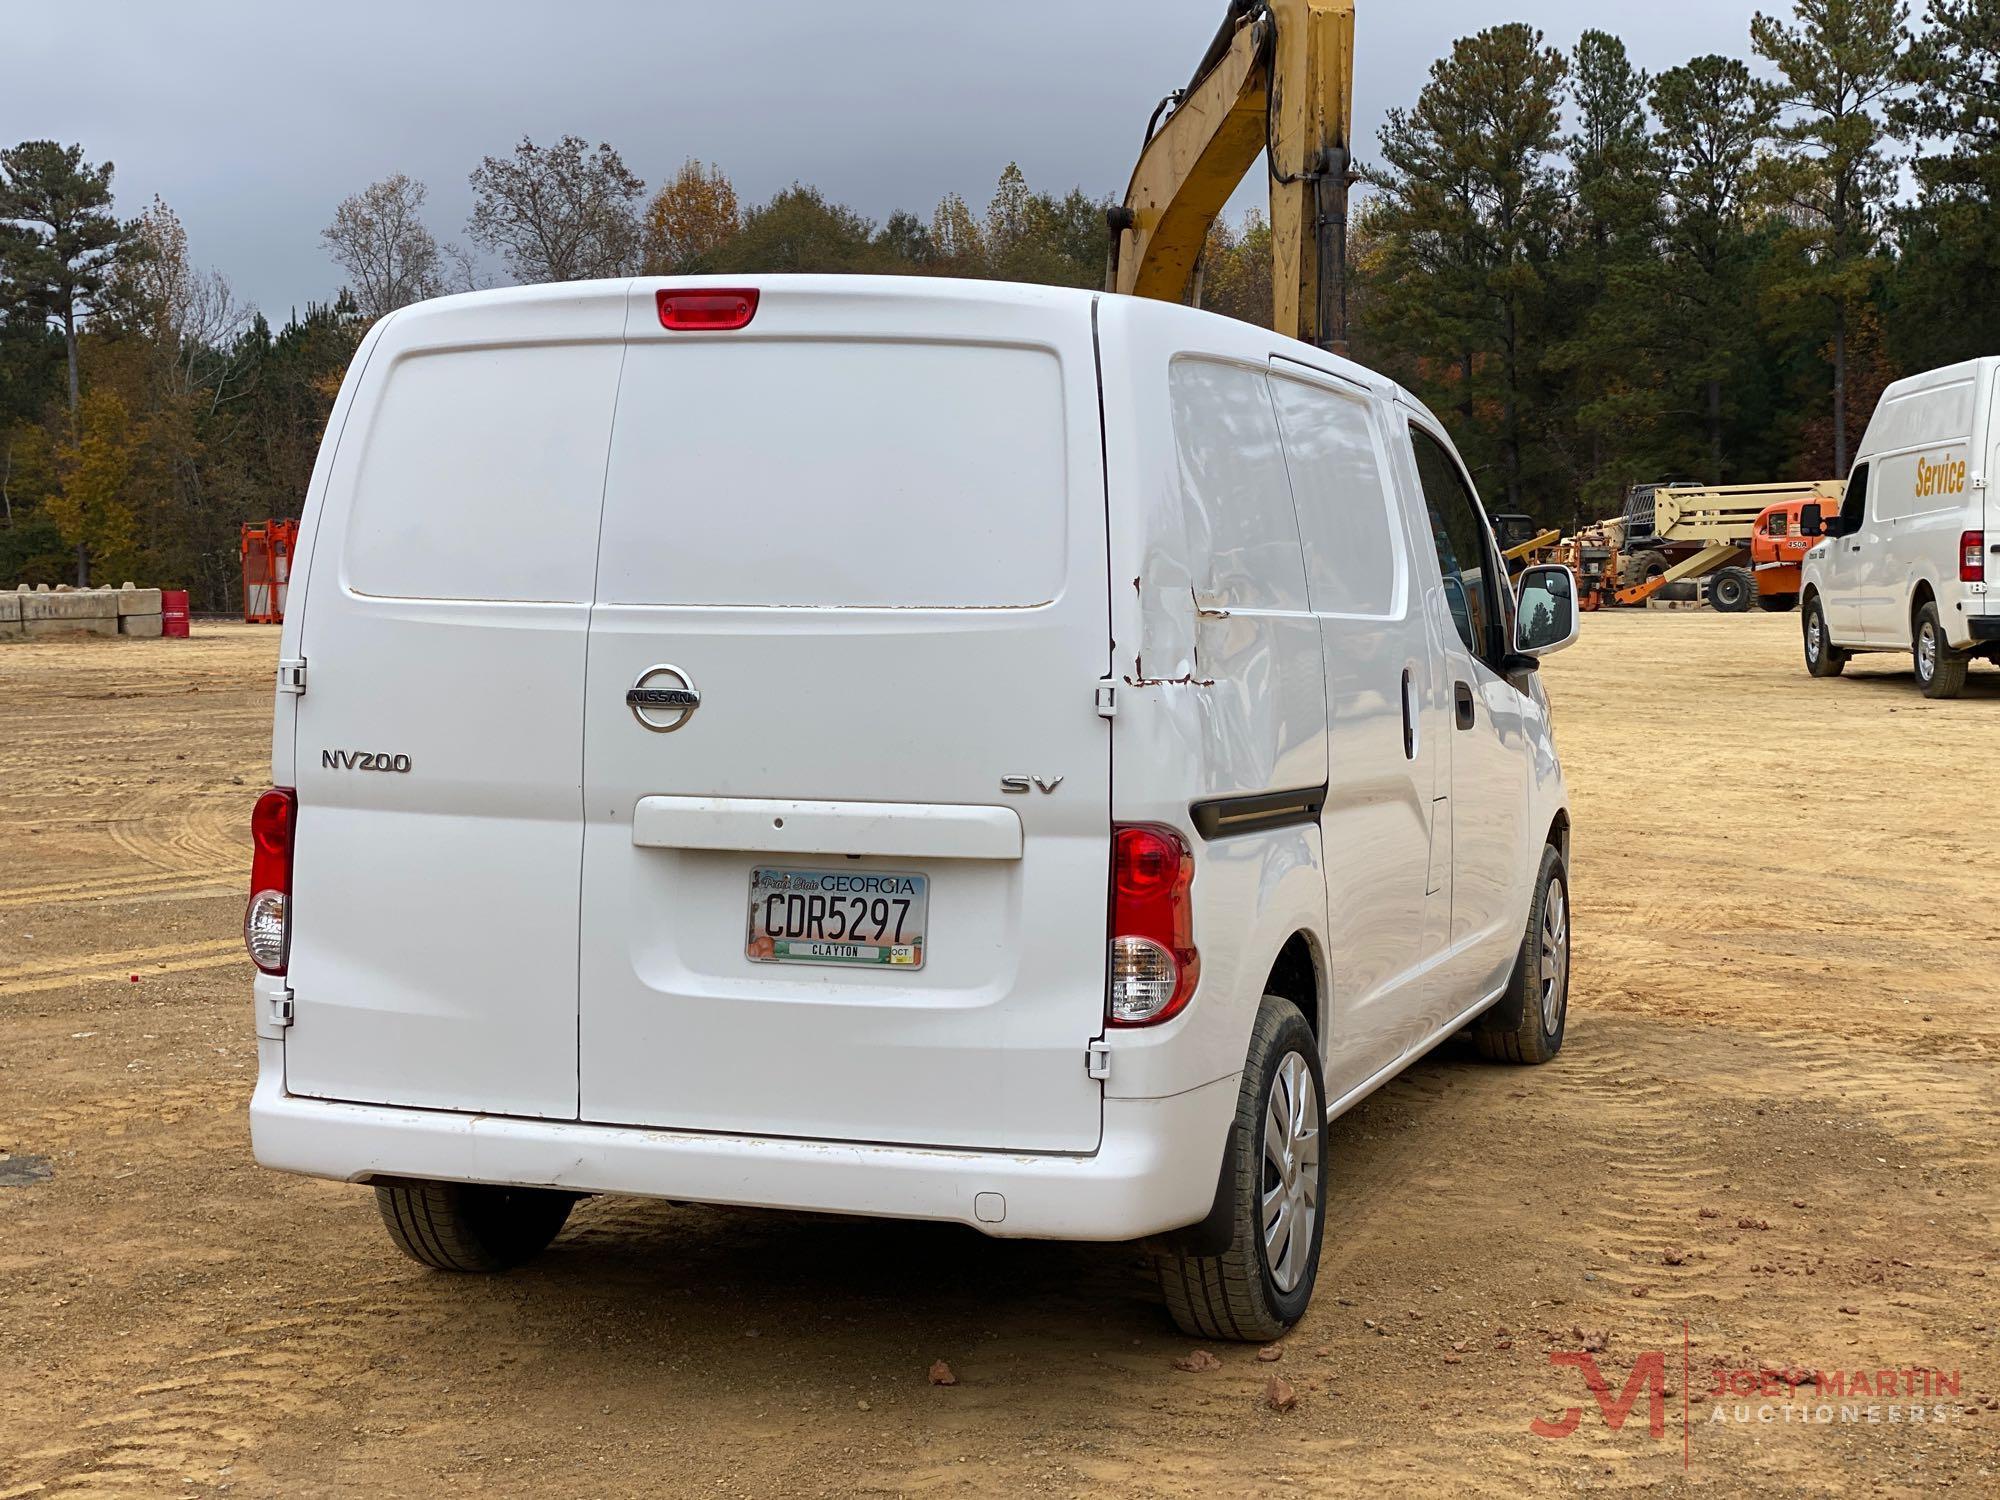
(1154, 965)
(1972, 557)
(267, 923)
(707, 310)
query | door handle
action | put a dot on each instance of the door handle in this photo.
(1409, 720)
(1462, 699)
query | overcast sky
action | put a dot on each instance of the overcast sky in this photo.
(252, 118)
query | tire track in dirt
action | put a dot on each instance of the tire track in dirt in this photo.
(127, 889)
(168, 831)
(177, 958)
(209, 1408)
(1631, 1128)
(64, 1124)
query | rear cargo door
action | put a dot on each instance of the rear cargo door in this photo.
(440, 734)
(1986, 508)
(852, 579)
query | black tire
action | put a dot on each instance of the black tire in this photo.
(1732, 591)
(1643, 566)
(467, 1226)
(1777, 604)
(1235, 1294)
(1940, 670)
(1529, 1023)
(1823, 658)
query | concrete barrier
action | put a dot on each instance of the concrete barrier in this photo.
(93, 604)
(43, 611)
(86, 625)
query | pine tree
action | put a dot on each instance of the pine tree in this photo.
(1831, 180)
(1950, 237)
(1468, 207)
(1713, 120)
(1607, 376)
(65, 239)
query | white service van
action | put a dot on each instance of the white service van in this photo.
(950, 751)
(1903, 566)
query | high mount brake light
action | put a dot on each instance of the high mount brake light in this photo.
(1154, 965)
(706, 309)
(267, 922)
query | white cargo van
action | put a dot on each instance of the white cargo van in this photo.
(1904, 563)
(950, 751)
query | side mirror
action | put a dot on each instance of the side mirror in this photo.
(1547, 619)
(1812, 520)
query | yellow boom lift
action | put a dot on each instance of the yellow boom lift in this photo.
(1278, 78)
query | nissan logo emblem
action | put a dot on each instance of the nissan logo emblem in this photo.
(663, 699)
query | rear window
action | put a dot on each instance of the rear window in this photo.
(480, 475)
(837, 474)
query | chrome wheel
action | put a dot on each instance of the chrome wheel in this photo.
(1926, 651)
(1555, 956)
(1292, 1127)
(1814, 639)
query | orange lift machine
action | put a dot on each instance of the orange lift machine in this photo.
(267, 569)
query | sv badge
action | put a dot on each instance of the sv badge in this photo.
(1020, 786)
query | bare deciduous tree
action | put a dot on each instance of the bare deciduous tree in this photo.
(379, 238)
(558, 213)
(190, 315)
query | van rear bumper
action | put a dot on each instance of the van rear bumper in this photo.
(1155, 1168)
(1983, 628)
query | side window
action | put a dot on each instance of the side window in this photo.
(1354, 555)
(1237, 499)
(1459, 533)
(1855, 505)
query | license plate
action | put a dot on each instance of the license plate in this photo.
(854, 917)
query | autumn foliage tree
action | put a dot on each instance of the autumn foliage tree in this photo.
(691, 216)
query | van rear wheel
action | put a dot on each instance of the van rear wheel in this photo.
(1274, 1187)
(1940, 670)
(470, 1226)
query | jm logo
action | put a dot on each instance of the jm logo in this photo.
(1020, 786)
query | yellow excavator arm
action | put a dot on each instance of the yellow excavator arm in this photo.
(1278, 77)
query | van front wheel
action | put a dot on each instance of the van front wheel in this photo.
(1823, 658)
(470, 1226)
(1529, 1023)
(1274, 1186)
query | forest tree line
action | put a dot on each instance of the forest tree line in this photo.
(1596, 275)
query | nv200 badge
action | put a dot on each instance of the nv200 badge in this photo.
(363, 760)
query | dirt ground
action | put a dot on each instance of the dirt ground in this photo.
(1769, 1145)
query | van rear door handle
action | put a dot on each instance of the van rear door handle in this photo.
(1462, 697)
(1409, 719)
